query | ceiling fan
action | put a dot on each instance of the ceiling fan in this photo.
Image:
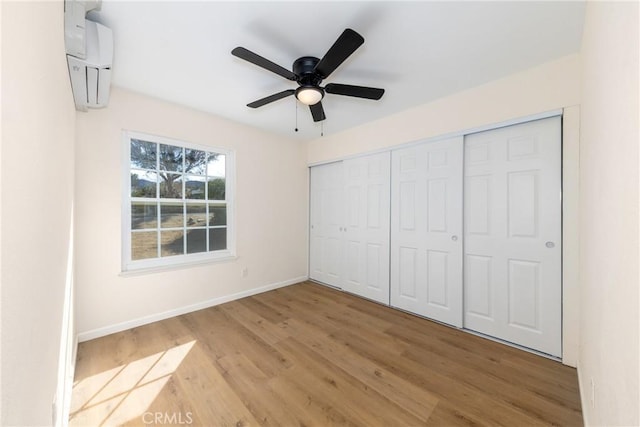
(309, 71)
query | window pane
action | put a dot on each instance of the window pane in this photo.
(143, 154)
(195, 162)
(171, 158)
(177, 202)
(216, 189)
(196, 215)
(194, 187)
(144, 245)
(144, 215)
(196, 241)
(171, 215)
(217, 239)
(143, 183)
(172, 243)
(217, 214)
(170, 186)
(216, 165)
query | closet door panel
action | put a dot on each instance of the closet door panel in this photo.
(326, 249)
(513, 234)
(366, 233)
(426, 230)
(315, 237)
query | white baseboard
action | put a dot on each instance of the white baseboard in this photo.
(107, 330)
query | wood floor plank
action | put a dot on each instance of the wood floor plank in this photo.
(343, 391)
(336, 308)
(308, 355)
(230, 337)
(206, 393)
(471, 402)
(306, 402)
(248, 382)
(413, 399)
(532, 404)
(337, 316)
(262, 310)
(254, 322)
(490, 369)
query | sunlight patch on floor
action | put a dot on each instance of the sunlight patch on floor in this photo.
(124, 393)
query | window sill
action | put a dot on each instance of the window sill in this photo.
(181, 266)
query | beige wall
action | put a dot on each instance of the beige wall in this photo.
(609, 204)
(547, 87)
(551, 86)
(271, 215)
(37, 191)
(570, 235)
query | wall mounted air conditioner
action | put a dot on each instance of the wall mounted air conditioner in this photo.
(91, 76)
(89, 48)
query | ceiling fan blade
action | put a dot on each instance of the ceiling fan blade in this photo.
(357, 91)
(258, 60)
(317, 112)
(346, 44)
(271, 98)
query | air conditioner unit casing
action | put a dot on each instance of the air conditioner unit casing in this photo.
(91, 76)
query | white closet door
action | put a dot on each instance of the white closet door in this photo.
(326, 217)
(512, 277)
(366, 256)
(426, 230)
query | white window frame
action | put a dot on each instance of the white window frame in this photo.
(129, 265)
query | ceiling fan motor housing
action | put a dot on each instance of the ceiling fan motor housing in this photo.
(304, 69)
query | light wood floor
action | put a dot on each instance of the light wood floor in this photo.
(308, 355)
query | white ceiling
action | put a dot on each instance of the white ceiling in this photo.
(417, 51)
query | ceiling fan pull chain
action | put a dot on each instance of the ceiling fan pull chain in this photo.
(296, 102)
(322, 128)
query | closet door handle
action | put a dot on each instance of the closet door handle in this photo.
(454, 238)
(550, 245)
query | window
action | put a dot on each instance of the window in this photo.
(177, 204)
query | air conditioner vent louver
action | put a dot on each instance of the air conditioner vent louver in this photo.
(91, 76)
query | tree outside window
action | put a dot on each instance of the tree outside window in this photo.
(178, 200)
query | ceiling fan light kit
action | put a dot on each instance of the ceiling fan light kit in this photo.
(309, 71)
(309, 95)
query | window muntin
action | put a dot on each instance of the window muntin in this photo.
(177, 203)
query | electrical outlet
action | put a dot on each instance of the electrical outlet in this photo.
(593, 393)
(244, 272)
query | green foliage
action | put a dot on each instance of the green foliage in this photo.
(216, 189)
(171, 186)
(142, 188)
(217, 215)
(143, 154)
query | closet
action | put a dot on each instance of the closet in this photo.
(349, 225)
(464, 230)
